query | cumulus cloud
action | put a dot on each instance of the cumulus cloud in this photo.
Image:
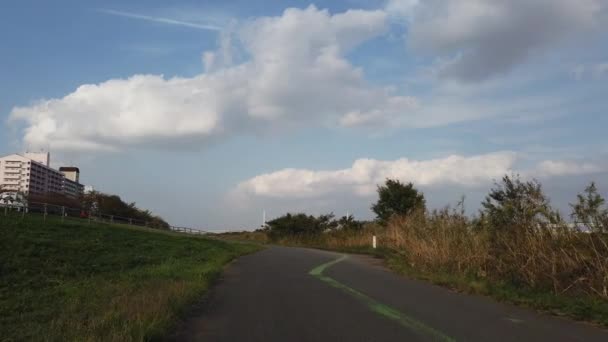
(391, 111)
(401, 8)
(365, 174)
(122, 111)
(481, 38)
(297, 73)
(564, 167)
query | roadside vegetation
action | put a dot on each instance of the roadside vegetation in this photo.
(517, 249)
(68, 281)
(95, 203)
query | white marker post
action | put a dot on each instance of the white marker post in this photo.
(374, 241)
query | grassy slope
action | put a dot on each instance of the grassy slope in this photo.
(74, 281)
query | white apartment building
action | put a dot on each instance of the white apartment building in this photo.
(31, 174)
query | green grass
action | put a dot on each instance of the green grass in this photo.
(96, 282)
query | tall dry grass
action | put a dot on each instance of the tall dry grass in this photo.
(440, 241)
(555, 258)
(558, 258)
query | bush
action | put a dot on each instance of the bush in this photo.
(299, 224)
(349, 223)
(97, 202)
(396, 198)
(514, 204)
(589, 210)
(306, 226)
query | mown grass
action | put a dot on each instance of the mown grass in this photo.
(96, 282)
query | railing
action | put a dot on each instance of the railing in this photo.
(67, 213)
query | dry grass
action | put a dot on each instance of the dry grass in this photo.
(558, 259)
(130, 313)
(256, 236)
(556, 267)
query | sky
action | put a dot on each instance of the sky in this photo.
(210, 112)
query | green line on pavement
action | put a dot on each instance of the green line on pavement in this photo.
(377, 307)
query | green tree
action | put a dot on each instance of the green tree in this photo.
(300, 224)
(396, 198)
(513, 204)
(589, 209)
(96, 203)
(349, 223)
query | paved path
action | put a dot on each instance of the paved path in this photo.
(297, 294)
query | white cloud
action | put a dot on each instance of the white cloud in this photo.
(297, 73)
(482, 38)
(549, 168)
(365, 174)
(401, 8)
(223, 57)
(391, 112)
(123, 111)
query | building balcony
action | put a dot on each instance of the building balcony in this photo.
(11, 187)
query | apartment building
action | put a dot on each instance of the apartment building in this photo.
(31, 174)
(71, 186)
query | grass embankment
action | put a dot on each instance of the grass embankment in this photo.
(96, 282)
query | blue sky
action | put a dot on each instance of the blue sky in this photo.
(209, 112)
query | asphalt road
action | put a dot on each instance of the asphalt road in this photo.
(297, 294)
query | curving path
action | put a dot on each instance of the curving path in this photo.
(298, 294)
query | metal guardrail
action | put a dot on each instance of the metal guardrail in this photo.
(64, 213)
